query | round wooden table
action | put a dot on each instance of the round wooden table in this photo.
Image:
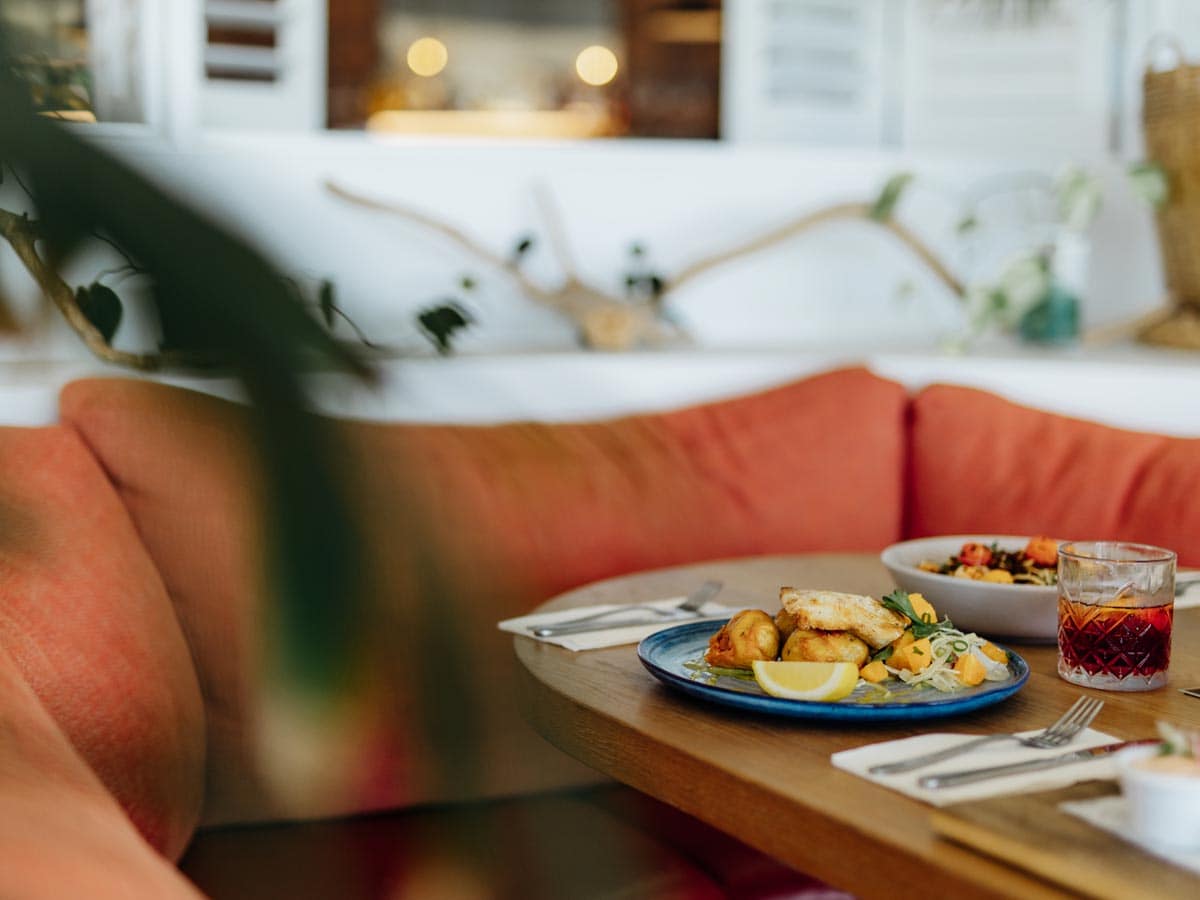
(769, 781)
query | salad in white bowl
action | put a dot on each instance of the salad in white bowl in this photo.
(999, 585)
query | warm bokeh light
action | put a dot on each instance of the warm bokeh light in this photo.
(596, 65)
(427, 56)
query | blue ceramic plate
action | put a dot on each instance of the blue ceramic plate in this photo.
(675, 656)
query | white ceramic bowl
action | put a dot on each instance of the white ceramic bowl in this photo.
(1020, 612)
(1164, 808)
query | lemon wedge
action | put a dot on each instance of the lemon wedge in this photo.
(826, 681)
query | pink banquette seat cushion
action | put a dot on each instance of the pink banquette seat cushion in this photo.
(512, 514)
(86, 620)
(982, 464)
(62, 833)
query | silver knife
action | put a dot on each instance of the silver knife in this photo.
(970, 776)
(607, 624)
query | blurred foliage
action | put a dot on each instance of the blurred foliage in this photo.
(1148, 181)
(643, 281)
(522, 247)
(51, 62)
(1079, 195)
(102, 307)
(55, 85)
(889, 197)
(221, 301)
(440, 324)
(331, 313)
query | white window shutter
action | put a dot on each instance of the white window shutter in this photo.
(264, 64)
(811, 71)
(984, 79)
(117, 32)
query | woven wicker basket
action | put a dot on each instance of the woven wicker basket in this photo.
(1171, 120)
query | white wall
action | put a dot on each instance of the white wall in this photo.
(683, 200)
(828, 298)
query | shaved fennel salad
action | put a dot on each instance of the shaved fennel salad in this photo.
(934, 654)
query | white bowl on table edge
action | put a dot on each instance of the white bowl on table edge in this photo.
(1164, 807)
(1014, 612)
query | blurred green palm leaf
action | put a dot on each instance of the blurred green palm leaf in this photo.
(228, 306)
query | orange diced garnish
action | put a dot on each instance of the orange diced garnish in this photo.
(1042, 550)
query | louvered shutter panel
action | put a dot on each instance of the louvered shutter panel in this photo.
(983, 78)
(811, 71)
(264, 64)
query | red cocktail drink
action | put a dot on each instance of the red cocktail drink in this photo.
(1116, 642)
(1115, 611)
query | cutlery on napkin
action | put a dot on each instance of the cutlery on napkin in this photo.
(610, 636)
(975, 774)
(859, 760)
(633, 614)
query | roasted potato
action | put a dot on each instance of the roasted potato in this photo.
(805, 645)
(749, 635)
(786, 623)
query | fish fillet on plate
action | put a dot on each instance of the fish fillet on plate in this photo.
(864, 617)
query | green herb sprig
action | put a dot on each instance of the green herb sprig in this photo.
(1178, 741)
(898, 601)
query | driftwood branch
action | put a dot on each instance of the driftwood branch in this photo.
(1171, 325)
(853, 211)
(616, 323)
(465, 242)
(556, 231)
(22, 235)
(605, 322)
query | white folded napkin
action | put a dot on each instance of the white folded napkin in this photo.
(608, 637)
(860, 759)
(1190, 596)
(1111, 814)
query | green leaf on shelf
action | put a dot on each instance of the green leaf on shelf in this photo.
(326, 302)
(883, 207)
(1079, 197)
(439, 323)
(1149, 181)
(102, 307)
(523, 246)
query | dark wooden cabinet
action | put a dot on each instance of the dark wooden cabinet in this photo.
(353, 59)
(669, 81)
(672, 67)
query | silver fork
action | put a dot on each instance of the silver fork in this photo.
(1069, 724)
(690, 606)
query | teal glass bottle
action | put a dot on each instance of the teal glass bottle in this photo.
(1052, 320)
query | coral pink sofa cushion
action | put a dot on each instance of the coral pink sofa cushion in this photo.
(514, 514)
(814, 465)
(982, 464)
(85, 618)
(62, 834)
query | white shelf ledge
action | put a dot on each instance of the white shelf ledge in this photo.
(1127, 386)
